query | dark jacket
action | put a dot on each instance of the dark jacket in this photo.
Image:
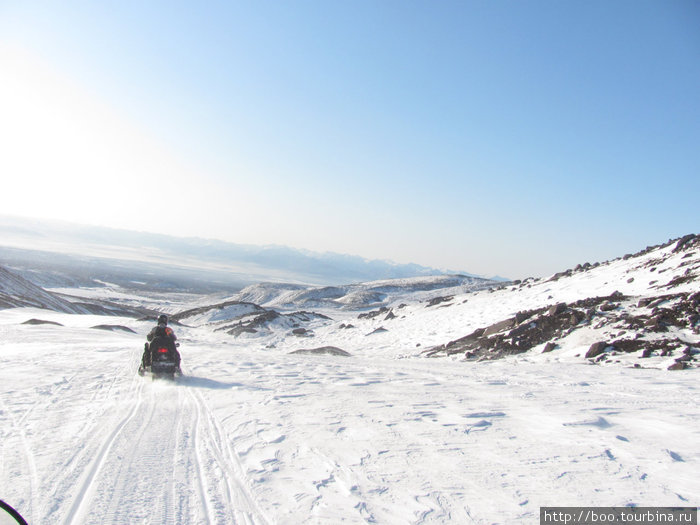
(161, 330)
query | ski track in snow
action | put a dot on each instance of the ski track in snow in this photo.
(162, 463)
(254, 435)
(104, 445)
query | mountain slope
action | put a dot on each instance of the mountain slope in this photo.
(638, 310)
(642, 309)
(360, 295)
(646, 304)
(16, 291)
(347, 421)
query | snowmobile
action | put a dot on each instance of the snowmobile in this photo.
(163, 359)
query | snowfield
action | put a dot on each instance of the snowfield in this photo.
(254, 434)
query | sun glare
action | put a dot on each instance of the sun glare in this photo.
(68, 155)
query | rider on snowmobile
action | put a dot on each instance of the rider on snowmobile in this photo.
(161, 327)
(161, 330)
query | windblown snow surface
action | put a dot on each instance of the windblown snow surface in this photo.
(254, 434)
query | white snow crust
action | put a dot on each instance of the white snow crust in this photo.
(252, 434)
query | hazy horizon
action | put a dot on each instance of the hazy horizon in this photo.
(46, 245)
(492, 138)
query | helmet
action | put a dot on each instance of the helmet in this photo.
(163, 319)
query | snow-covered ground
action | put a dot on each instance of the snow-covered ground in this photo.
(254, 434)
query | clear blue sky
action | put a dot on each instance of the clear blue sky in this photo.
(495, 137)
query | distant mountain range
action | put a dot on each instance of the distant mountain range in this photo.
(359, 295)
(165, 262)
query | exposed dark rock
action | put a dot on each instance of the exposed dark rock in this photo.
(607, 306)
(630, 345)
(659, 300)
(681, 279)
(308, 316)
(439, 300)
(679, 365)
(378, 330)
(596, 349)
(679, 311)
(477, 333)
(559, 275)
(215, 307)
(499, 327)
(509, 337)
(41, 321)
(549, 347)
(652, 327)
(373, 313)
(324, 350)
(390, 316)
(114, 328)
(522, 316)
(556, 309)
(683, 241)
(664, 347)
(242, 329)
(255, 323)
(251, 326)
(302, 332)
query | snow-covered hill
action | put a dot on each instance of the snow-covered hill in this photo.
(16, 291)
(334, 413)
(640, 306)
(361, 295)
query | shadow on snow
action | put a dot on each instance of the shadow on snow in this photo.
(212, 384)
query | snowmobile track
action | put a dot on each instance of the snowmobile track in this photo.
(81, 499)
(238, 499)
(27, 453)
(165, 460)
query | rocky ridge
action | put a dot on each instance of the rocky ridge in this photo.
(652, 325)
